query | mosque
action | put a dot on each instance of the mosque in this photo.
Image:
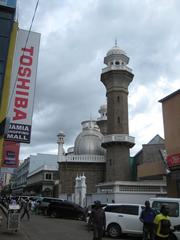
(101, 152)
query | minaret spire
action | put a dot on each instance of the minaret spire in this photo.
(115, 42)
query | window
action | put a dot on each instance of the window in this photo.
(173, 207)
(118, 98)
(48, 176)
(117, 62)
(124, 209)
(118, 119)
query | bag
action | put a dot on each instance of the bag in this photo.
(164, 227)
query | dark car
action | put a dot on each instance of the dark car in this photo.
(44, 203)
(66, 209)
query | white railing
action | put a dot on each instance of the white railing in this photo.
(81, 158)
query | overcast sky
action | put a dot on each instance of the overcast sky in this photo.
(75, 37)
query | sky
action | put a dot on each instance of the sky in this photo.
(75, 37)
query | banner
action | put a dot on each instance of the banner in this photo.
(23, 78)
(173, 160)
(10, 154)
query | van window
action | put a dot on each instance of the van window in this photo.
(124, 209)
(173, 207)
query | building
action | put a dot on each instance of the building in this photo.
(116, 77)
(150, 160)
(171, 120)
(101, 150)
(43, 181)
(29, 167)
(8, 33)
(86, 158)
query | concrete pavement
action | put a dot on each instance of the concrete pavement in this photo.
(45, 228)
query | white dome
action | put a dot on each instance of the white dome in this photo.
(115, 50)
(88, 142)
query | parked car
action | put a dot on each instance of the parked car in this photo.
(123, 219)
(44, 203)
(174, 212)
(66, 209)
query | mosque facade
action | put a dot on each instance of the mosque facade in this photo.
(101, 150)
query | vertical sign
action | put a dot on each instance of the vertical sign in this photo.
(10, 154)
(23, 78)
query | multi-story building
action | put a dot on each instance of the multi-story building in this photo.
(28, 166)
(171, 119)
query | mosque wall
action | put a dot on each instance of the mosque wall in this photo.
(68, 171)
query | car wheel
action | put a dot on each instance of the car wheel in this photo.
(114, 230)
(81, 217)
(53, 214)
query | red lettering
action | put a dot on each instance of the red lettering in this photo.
(21, 102)
(26, 60)
(22, 93)
(19, 115)
(23, 83)
(24, 72)
(29, 50)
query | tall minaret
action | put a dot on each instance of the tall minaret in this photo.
(116, 77)
(60, 142)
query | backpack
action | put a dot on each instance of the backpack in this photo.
(164, 227)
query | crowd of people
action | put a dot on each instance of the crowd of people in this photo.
(26, 205)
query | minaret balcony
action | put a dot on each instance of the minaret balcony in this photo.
(118, 139)
(118, 67)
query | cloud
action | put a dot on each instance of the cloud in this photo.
(75, 37)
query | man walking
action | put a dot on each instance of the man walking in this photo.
(98, 220)
(26, 208)
(162, 224)
(147, 218)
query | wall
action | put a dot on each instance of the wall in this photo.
(68, 171)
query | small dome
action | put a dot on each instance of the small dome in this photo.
(116, 57)
(88, 142)
(115, 50)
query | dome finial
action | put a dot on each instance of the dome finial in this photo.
(116, 42)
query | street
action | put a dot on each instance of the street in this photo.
(45, 228)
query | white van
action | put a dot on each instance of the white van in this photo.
(174, 210)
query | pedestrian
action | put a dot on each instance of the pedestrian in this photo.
(26, 206)
(162, 224)
(147, 218)
(98, 221)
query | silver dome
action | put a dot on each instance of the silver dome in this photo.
(88, 142)
(115, 50)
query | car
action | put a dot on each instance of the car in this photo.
(44, 203)
(66, 209)
(123, 219)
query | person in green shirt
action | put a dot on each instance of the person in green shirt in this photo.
(162, 224)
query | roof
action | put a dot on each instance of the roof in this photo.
(170, 96)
